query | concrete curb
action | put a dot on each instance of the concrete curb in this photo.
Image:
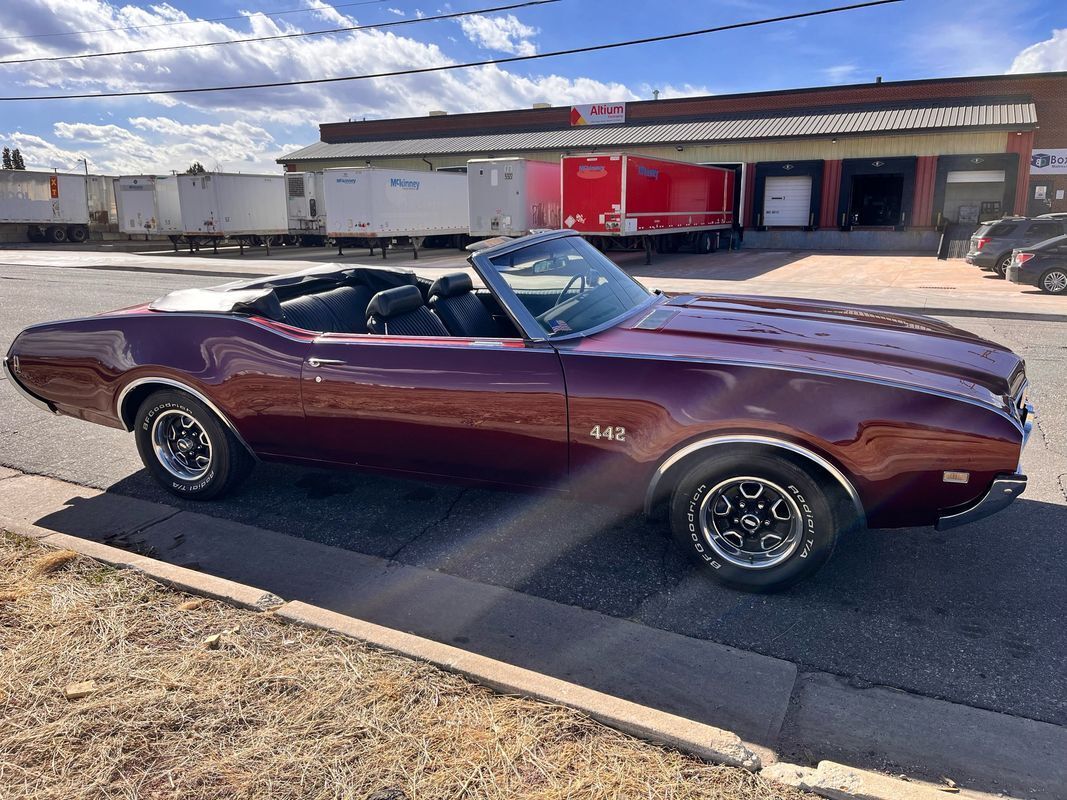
(838, 782)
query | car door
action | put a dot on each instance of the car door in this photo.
(488, 410)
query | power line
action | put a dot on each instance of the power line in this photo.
(193, 21)
(276, 37)
(449, 67)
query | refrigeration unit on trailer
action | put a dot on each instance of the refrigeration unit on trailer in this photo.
(45, 206)
(247, 209)
(512, 196)
(305, 207)
(376, 207)
(149, 204)
(635, 200)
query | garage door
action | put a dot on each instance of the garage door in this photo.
(787, 201)
(976, 176)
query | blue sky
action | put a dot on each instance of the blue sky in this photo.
(246, 131)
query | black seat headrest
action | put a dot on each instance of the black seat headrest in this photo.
(393, 302)
(452, 284)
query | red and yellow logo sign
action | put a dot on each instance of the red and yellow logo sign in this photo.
(53, 186)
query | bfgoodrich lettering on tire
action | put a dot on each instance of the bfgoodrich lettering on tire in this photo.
(188, 450)
(754, 521)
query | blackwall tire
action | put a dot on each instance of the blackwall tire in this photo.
(56, 235)
(77, 234)
(35, 234)
(780, 527)
(1001, 267)
(171, 462)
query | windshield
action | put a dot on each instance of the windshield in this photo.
(568, 286)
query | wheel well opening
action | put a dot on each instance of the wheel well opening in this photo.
(840, 497)
(133, 399)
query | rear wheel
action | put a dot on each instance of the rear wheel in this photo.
(188, 450)
(754, 521)
(56, 235)
(35, 234)
(1001, 267)
(1054, 281)
(77, 234)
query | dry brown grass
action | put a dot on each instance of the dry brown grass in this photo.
(276, 711)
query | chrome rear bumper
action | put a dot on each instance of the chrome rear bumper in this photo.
(1001, 494)
(30, 398)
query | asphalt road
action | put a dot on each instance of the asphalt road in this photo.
(973, 615)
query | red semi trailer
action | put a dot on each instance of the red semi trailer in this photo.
(637, 200)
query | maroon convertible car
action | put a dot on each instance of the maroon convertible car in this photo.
(763, 427)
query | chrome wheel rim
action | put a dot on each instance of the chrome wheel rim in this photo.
(181, 445)
(751, 522)
(1055, 282)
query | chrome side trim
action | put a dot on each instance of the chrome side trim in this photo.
(22, 390)
(129, 387)
(809, 371)
(715, 441)
(1002, 493)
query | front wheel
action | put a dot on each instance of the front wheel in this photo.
(755, 522)
(188, 450)
(1054, 281)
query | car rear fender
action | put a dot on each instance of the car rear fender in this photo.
(134, 393)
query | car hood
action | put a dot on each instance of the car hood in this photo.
(820, 336)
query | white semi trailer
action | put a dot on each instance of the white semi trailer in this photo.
(247, 209)
(513, 196)
(148, 204)
(306, 207)
(44, 206)
(378, 207)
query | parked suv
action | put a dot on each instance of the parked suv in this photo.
(993, 243)
(1044, 265)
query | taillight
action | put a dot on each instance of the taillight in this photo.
(981, 242)
(1022, 258)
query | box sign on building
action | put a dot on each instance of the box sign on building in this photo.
(598, 114)
(1048, 162)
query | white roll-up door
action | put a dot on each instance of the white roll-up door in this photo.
(787, 200)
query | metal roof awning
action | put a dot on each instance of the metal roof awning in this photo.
(964, 115)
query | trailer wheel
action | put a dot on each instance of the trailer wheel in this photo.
(704, 243)
(56, 235)
(77, 234)
(35, 234)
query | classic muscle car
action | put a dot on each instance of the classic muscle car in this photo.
(762, 427)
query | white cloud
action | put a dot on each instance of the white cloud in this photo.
(396, 11)
(840, 73)
(241, 130)
(505, 34)
(1047, 56)
(152, 144)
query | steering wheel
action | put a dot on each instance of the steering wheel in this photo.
(567, 288)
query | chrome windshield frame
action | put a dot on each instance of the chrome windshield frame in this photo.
(481, 260)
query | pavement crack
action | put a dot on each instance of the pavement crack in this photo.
(394, 556)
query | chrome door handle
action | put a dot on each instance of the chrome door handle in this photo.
(314, 362)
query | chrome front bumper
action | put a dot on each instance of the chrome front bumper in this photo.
(1001, 494)
(30, 398)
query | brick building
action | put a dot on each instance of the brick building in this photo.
(880, 165)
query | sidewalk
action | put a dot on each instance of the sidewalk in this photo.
(777, 710)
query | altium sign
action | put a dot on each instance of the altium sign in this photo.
(598, 114)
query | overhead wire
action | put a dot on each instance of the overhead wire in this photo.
(279, 36)
(463, 65)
